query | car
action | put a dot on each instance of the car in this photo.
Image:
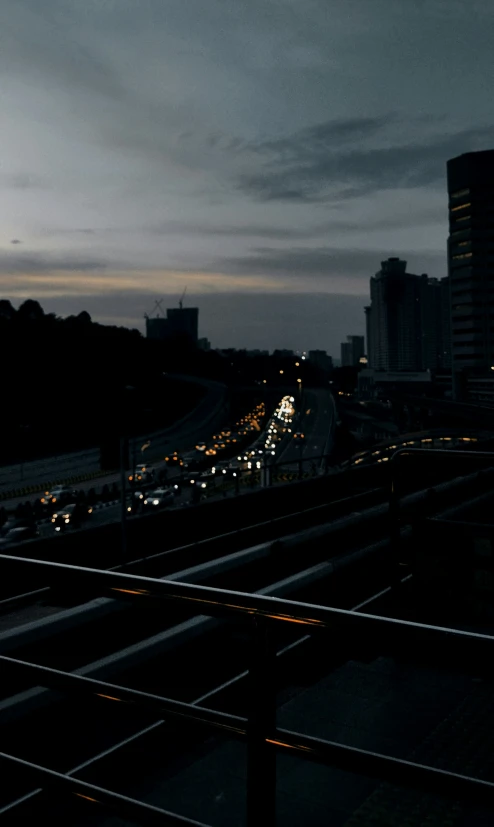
(174, 460)
(225, 469)
(159, 498)
(17, 522)
(191, 462)
(201, 446)
(143, 473)
(71, 515)
(135, 503)
(61, 494)
(18, 535)
(299, 435)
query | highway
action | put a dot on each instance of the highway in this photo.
(316, 423)
(197, 425)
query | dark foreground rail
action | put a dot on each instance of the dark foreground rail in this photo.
(360, 631)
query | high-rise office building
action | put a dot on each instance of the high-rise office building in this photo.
(395, 318)
(471, 265)
(321, 359)
(435, 324)
(407, 322)
(352, 351)
(179, 320)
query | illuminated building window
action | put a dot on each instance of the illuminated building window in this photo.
(463, 218)
(459, 193)
(463, 243)
(463, 255)
(461, 206)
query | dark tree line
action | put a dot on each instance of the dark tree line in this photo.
(70, 383)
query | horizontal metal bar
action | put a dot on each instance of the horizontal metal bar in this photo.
(27, 797)
(20, 599)
(444, 452)
(232, 725)
(148, 592)
(128, 808)
(384, 767)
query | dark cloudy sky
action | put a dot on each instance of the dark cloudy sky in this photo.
(267, 154)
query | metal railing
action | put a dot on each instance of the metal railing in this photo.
(395, 492)
(263, 738)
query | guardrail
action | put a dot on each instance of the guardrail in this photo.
(263, 738)
(394, 485)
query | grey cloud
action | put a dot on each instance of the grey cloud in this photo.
(16, 241)
(313, 165)
(42, 263)
(22, 181)
(302, 262)
(37, 37)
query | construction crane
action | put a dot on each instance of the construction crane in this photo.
(157, 307)
(182, 298)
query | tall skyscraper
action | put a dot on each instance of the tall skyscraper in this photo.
(352, 351)
(471, 264)
(407, 321)
(395, 318)
(435, 324)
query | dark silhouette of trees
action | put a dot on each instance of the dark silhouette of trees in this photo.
(64, 381)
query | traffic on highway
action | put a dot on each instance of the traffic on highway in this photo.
(235, 456)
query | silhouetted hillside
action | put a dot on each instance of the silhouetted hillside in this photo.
(68, 383)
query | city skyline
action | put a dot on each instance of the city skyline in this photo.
(267, 156)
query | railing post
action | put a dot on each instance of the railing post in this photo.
(394, 521)
(261, 759)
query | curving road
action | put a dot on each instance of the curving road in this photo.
(197, 425)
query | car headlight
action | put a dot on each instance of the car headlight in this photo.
(129, 508)
(224, 470)
(67, 520)
(176, 487)
(57, 528)
(145, 502)
(203, 485)
(156, 502)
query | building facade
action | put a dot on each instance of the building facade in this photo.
(471, 266)
(321, 359)
(352, 351)
(407, 321)
(179, 321)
